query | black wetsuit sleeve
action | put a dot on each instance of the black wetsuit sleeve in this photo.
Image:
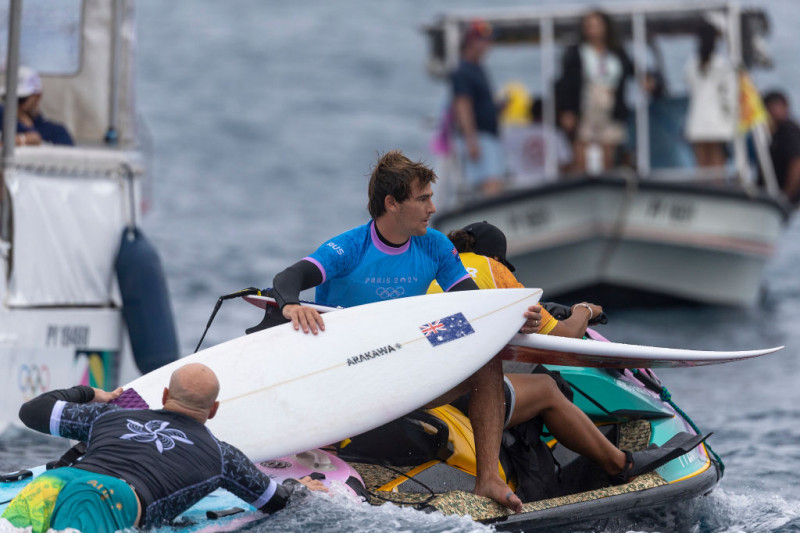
(467, 284)
(36, 413)
(300, 276)
(279, 500)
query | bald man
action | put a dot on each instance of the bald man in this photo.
(142, 467)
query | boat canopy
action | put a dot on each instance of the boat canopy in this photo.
(84, 51)
(655, 132)
(529, 26)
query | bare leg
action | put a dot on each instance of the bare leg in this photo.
(609, 151)
(579, 153)
(538, 394)
(709, 154)
(717, 154)
(486, 412)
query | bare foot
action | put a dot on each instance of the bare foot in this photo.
(501, 493)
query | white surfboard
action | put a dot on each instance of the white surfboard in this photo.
(283, 391)
(553, 350)
(579, 352)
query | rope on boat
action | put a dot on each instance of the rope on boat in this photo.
(666, 397)
(415, 504)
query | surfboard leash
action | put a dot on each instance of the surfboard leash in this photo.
(416, 505)
(250, 291)
(666, 397)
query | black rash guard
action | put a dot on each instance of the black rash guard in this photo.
(170, 459)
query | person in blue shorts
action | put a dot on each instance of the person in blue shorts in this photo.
(476, 114)
(395, 255)
(142, 467)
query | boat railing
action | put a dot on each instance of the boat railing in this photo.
(550, 27)
(94, 162)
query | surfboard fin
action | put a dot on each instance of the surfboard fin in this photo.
(213, 515)
(15, 476)
(647, 460)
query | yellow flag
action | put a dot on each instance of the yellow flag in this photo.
(751, 109)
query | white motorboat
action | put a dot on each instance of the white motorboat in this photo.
(656, 229)
(71, 286)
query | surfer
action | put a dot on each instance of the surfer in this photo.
(395, 255)
(141, 467)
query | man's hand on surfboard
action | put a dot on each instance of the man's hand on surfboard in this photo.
(313, 484)
(101, 396)
(534, 319)
(304, 317)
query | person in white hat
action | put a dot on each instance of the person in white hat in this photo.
(32, 127)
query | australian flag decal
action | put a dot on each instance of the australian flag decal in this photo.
(447, 329)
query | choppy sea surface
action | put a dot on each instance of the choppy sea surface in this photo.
(265, 119)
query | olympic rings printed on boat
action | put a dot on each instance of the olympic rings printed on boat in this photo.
(33, 380)
(390, 292)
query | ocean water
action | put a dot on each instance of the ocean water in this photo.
(266, 117)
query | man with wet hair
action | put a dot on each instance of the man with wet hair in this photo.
(395, 255)
(142, 467)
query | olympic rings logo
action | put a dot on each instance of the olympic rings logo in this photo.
(33, 380)
(390, 292)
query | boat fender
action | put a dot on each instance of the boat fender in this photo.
(145, 302)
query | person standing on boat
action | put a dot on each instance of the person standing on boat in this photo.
(32, 127)
(476, 114)
(711, 119)
(591, 92)
(142, 467)
(785, 145)
(396, 255)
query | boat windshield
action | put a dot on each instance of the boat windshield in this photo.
(84, 53)
(50, 39)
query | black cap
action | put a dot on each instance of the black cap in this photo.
(489, 241)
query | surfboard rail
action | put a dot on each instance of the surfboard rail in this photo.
(546, 349)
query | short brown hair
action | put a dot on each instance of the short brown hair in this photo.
(393, 175)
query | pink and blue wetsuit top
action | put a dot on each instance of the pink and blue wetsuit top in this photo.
(358, 268)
